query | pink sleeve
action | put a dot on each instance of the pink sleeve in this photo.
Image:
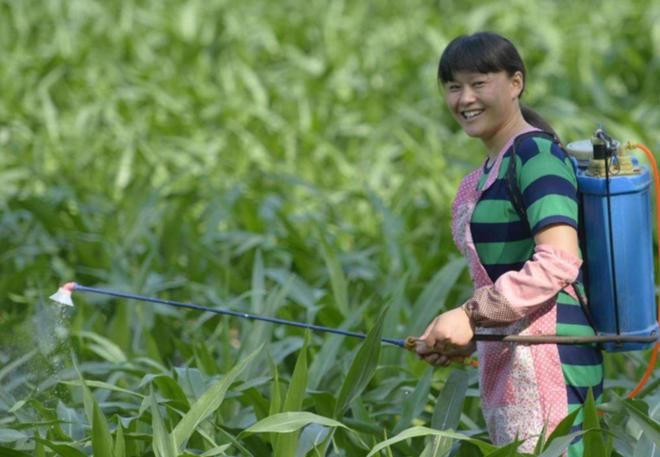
(516, 294)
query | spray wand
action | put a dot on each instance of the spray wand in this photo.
(63, 296)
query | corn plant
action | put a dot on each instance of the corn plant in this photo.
(290, 159)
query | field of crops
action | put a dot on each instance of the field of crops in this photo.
(290, 159)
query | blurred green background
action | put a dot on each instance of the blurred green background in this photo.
(226, 152)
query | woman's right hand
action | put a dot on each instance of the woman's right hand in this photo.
(448, 338)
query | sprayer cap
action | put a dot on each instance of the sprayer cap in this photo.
(582, 150)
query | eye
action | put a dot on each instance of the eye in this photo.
(479, 83)
(453, 87)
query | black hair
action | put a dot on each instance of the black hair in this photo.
(487, 52)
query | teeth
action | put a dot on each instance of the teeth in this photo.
(471, 114)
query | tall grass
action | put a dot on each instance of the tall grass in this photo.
(288, 158)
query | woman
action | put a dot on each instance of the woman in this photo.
(522, 269)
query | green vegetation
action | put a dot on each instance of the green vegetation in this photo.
(289, 158)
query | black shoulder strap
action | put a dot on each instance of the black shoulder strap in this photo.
(512, 179)
(517, 200)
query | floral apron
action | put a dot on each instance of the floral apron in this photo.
(522, 386)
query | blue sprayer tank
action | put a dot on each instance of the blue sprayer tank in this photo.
(618, 273)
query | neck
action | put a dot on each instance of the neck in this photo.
(510, 129)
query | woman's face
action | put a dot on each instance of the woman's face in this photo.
(483, 103)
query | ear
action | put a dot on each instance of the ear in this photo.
(517, 84)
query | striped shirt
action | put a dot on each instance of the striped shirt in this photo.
(504, 242)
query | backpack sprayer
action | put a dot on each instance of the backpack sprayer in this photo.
(616, 240)
(616, 243)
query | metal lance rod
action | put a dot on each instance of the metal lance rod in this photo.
(63, 296)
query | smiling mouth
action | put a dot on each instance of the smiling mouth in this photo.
(471, 114)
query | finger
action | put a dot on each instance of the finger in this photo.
(432, 358)
(459, 351)
(421, 348)
(428, 330)
(443, 345)
(443, 361)
(429, 334)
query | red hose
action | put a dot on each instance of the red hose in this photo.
(656, 179)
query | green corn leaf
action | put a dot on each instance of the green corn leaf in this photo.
(209, 402)
(88, 399)
(449, 403)
(395, 303)
(102, 346)
(275, 406)
(120, 326)
(9, 367)
(415, 432)
(337, 277)
(362, 369)
(290, 422)
(234, 441)
(218, 450)
(8, 452)
(258, 291)
(414, 405)
(559, 444)
(438, 446)
(644, 447)
(275, 392)
(120, 442)
(168, 388)
(163, 442)
(296, 392)
(650, 427)
(327, 356)
(103, 385)
(39, 450)
(286, 444)
(540, 443)
(563, 428)
(594, 443)
(63, 450)
(101, 438)
(8, 435)
(510, 450)
(431, 301)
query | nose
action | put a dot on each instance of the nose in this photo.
(467, 96)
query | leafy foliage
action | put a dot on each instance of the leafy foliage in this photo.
(285, 158)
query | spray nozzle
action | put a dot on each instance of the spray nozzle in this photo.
(63, 294)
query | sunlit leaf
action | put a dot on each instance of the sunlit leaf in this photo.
(290, 422)
(415, 432)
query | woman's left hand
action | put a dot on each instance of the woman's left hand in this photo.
(447, 338)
